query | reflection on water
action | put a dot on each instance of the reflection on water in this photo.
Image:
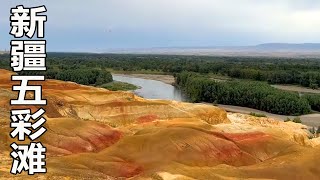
(151, 89)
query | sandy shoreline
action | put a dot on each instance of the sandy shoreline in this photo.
(312, 120)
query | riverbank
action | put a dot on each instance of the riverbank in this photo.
(168, 79)
(152, 88)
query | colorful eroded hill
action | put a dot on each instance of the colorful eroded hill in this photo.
(94, 133)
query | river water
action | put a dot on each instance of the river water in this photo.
(151, 89)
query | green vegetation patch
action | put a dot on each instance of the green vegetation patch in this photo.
(295, 120)
(119, 86)
(314, 101)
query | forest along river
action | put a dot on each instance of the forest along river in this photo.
(156, 89)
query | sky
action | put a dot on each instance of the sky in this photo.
(101, 25)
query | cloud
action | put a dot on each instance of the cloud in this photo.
(124, 23)
(304, 4)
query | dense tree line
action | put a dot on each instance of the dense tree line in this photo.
(90, 69)
(5, 61)
(85, 76)
(68, 71)
(308, 79)
(81, 76)
(304, 72)
(256, 95)
(314, 101)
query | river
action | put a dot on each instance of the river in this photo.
(151, 89)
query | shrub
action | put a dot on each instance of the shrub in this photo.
(312, 130)
(257, 114)
(287, 120)
(297, 120)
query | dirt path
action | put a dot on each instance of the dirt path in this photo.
(296, 89)
(309, 120)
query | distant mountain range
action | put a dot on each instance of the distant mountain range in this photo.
(306, 50)
(286, 46)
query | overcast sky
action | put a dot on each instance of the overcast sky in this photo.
(98, 25)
